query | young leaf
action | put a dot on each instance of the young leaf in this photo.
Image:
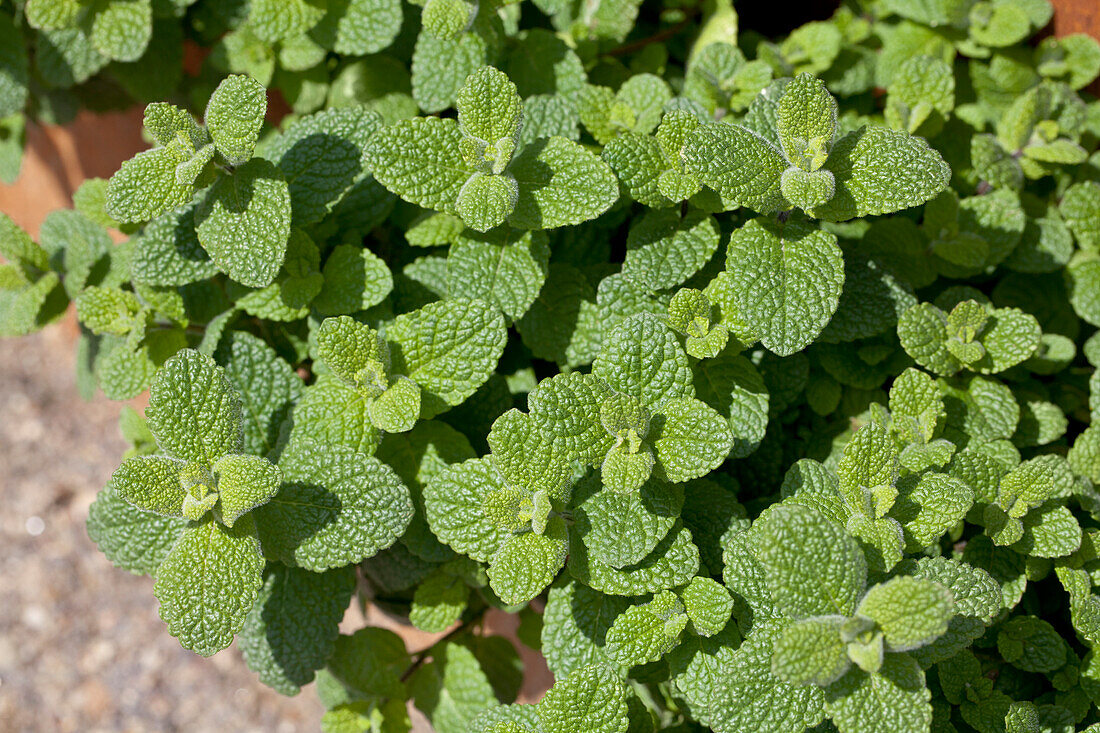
(244, 483)
(234, 115)
(194, 412)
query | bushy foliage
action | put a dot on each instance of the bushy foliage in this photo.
(758, 377)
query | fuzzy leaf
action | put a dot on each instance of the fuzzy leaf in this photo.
(790, 541)
(449, 348)
(244, 222)
(194, 412)
(786, 282)
(234, 115)
(334, 507)
(879, 170)
(208, 583)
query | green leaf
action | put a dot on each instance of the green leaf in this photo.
(1083, 281)
(708, 605)
(333, 411)
(208, 584)
(334, 507)
(421, 161)
(739, 165)
(591, 699)
(449, 348)
(489, 109)
(194, 412)
(526, 563)
(291, 631)
(1031, 644)
(646, 632)
(167, 251)
(438, 602)
(145, 186)
(563, 324)
(642, 357)
(639, 162)
(807, 122)
(274, 20)
(322, 156)
(690, 438)
(575, 625)
(911, 612)
(930, 506)
(359, 27)
(674, 561)
(878, 171)
(440, 66)
(894, 698)
(560, 184)
(526, 456)
(243, 222)
(397, 409)
(1051, 531)
(13, 68)
(105, 310)
(267, 385)
(811, 652)
(354, 279)
(120, 30)
(790, 542)
(624, 470)
(506, 268)
(234, 115)
(733, 386)
(244, 483)
(486, 200)
(132, 539)
(453, 688)
(453, 501)
(786, 281)
(663, 248)
(371, 662)
(621, 529)
(747, 695)
(355, 353)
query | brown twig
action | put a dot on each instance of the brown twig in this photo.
(422, 656)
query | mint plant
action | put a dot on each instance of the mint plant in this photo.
(758, 377)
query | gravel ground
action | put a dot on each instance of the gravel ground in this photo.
(81, 645)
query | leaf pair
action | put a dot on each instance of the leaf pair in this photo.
(647, 631)
(800, 163)
(243, 219)
(973, 336)
(429, 361)
(472, 168)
